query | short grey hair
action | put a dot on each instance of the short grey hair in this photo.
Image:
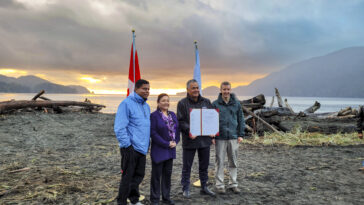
(190, 81)
(225, 83)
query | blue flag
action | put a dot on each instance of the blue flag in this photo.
(197, 72)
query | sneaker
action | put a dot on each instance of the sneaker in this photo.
(220, 190)
(186, 193)
(168, 201)
(206, 191)
(236, 190)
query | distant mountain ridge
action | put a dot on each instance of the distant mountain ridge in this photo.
(337, 74)
(33, 84)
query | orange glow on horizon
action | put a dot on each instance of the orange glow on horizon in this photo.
(111, 84)
(10, 72)
(152, 91)
(90, 79)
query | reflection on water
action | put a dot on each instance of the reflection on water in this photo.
(112, 101)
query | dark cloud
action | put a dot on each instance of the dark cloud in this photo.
(69, 35)
(6, 4)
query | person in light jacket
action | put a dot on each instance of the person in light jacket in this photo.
(164, 134)
(132, 129)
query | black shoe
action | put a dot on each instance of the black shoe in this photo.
(207, 191)
(168, 201)
(186, 193)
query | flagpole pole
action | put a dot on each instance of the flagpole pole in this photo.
(195, 42)
(199, 71)
(133, 59)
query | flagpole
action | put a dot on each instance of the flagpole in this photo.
(133, 59)
(197, 71)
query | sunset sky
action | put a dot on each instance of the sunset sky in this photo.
(87, 42)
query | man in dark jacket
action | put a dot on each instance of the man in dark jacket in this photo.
(360, 123)
(191, 144)
(231, 132)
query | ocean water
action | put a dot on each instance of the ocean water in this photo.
(112, 101)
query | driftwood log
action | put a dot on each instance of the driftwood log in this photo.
(260, 119)
(254, 103)
(279, 98)
(313, 108)
(48, 105)
(283, 120)
(288, 106)
(44, 98)
(38, 95)
(8, 106)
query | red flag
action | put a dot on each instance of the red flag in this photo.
(131, 82)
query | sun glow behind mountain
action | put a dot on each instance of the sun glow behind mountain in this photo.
(107, 83)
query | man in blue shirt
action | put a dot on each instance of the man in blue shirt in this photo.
(132, 129)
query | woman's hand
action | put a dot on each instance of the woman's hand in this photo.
(172, 144)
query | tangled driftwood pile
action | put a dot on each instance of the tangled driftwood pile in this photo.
(47, 105)
(260, 119)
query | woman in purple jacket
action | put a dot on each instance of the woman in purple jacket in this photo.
(165, 136)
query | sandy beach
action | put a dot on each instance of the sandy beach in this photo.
(73, 158)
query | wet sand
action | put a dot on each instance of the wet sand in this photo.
(74, 158)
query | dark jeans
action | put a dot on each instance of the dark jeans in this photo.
(163, 169)
(133, 169)
(203, 164)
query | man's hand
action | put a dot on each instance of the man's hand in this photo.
(213, 141)
(172, 144)
(360, 135)
(240, 139)
(212, 136)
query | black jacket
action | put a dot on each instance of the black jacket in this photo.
(231, 118)
(360, 123)
(183, 116)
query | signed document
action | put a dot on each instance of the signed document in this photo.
(204, 122)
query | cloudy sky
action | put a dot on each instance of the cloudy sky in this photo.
(87, 42)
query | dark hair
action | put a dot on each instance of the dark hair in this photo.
(225, 83)
(140, 83)
(161, 95)
(191, 81)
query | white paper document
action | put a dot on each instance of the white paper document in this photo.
(204, 122)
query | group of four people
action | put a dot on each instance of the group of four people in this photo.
(134, 127)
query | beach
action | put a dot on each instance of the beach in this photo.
(73, 158)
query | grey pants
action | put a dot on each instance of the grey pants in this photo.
(229, 147)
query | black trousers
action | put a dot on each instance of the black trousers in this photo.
(157, 182)
(203, 164)
(133, 170)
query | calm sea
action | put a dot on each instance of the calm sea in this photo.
(112, 101)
